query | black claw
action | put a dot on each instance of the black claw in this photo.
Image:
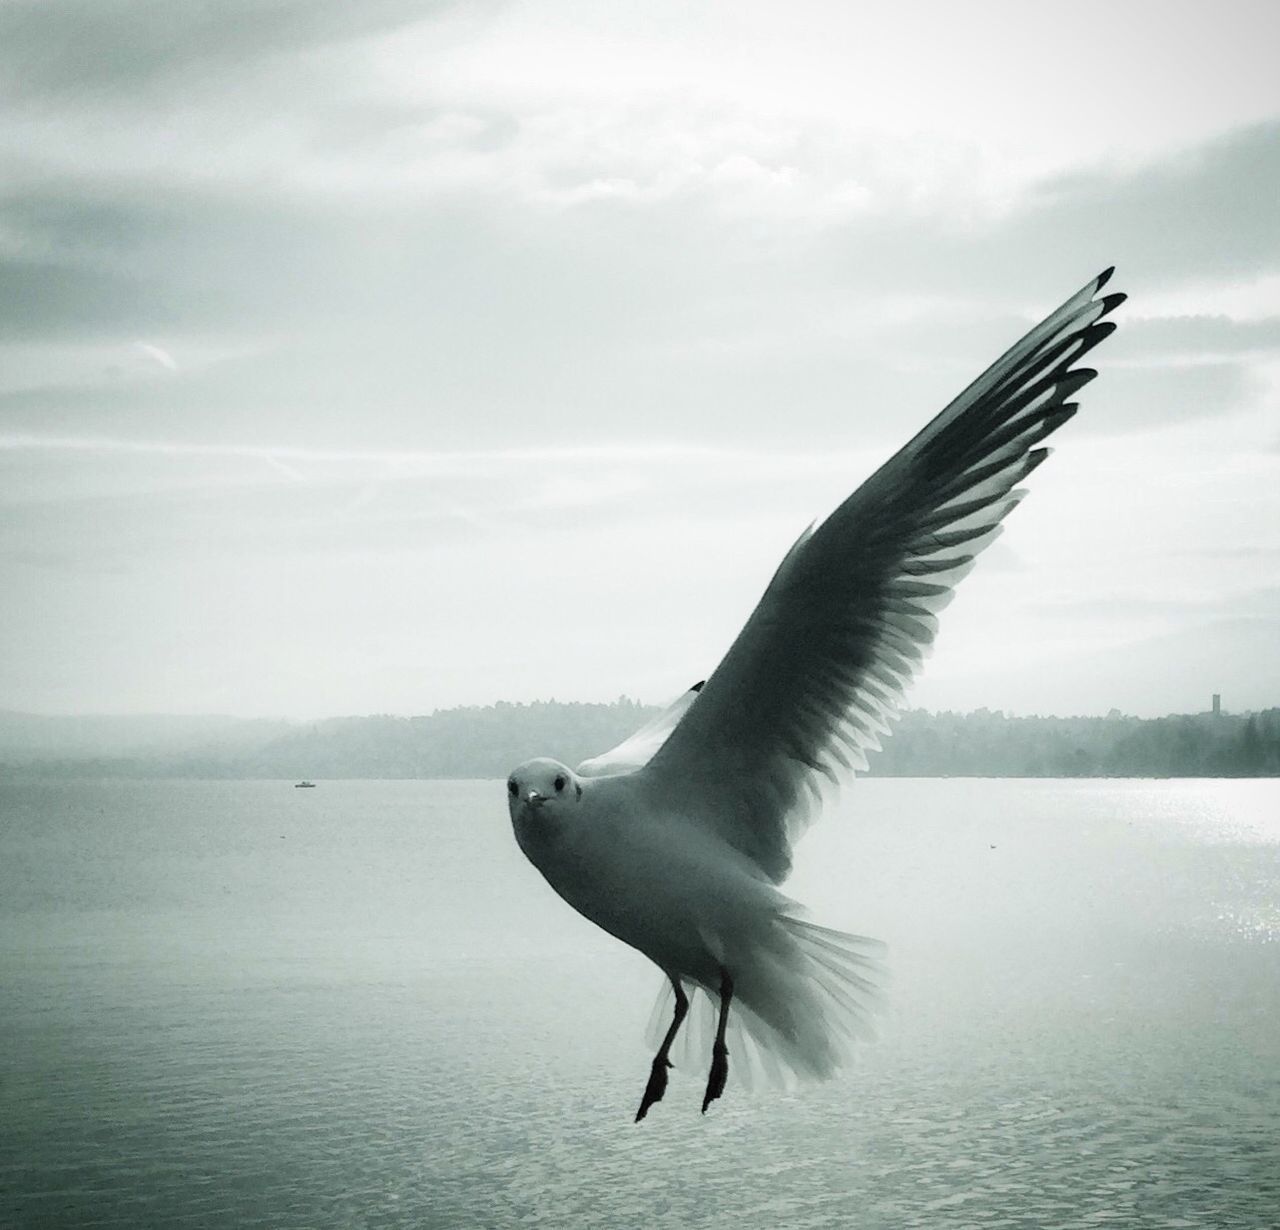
(719, 1074)
(656, 1087)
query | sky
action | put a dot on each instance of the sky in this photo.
(401, 355)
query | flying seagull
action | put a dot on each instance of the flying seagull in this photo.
(677, 840)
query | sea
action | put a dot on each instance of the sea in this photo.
(241, 1004)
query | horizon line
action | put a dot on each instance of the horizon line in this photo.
(104, 715)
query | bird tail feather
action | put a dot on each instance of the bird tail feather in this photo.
(801, 1006)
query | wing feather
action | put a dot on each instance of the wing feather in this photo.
(818, 672)
(636, 749)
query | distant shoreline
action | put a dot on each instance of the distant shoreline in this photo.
(26, 777)
(484, 742)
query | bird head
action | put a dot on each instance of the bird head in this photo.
(541, 790)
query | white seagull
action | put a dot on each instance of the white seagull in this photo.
(677, 840)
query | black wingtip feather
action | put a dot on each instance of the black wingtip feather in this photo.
(1104, 277)
(1094, 334)
(1075, 380)
(697, 687)
(1111, 302)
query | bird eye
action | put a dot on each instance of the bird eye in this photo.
(512, 788)
(559, 783)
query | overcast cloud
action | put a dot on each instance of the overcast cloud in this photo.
(389, 356)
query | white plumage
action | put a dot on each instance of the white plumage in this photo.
(676, 841)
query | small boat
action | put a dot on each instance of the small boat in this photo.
(304, 785)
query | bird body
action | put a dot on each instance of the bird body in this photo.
(662, 883)
(629, 867)
(676, 842)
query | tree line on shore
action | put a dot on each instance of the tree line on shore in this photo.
(485, 742)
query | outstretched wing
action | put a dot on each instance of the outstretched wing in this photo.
(822, 664)
(637, 750)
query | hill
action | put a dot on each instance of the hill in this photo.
(487, 741)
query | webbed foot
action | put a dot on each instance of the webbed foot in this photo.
(656, 1087)
(719, 1074)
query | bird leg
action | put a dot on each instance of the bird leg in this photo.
(719, 1052)
(657, 1085)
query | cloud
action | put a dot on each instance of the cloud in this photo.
(1129, 398)
(1197, 336)
(482, 326)
(1205, 212)
(47, 299)
(1263, 554)
(97, 259)
(1258, 601)
(53, 49)
(1201, 213)
(156, 505)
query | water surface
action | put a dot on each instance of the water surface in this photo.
(235, 1003)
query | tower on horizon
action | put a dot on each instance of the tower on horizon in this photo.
(1217, 704)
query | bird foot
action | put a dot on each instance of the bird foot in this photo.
(656, 1087)
(719, 1074)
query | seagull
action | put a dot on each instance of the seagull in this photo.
(677, 841)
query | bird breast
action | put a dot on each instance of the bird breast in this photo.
(658, 883)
